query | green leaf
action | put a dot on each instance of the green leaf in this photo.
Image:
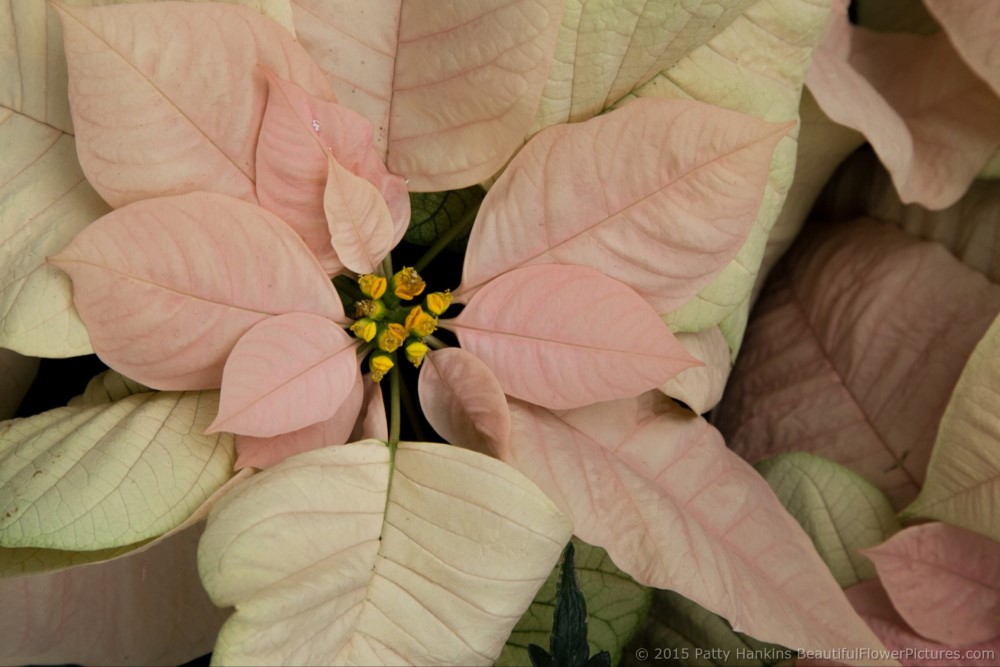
(539, 656)
(837, 508)
(95, 477)
(568, 642)
(616, 608)
(432, 214)
(680, 632)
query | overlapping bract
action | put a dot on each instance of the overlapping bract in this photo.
(945, 581)
(186, 118)
(430, 558)
(707, 177)
(562, 325)
(648, 482)
(145, 608)
(167, 286)
(854, 352)
(874, 606)
(929, 115)
(450, 86)
(661, 197)
(298, 134)
(963, 475)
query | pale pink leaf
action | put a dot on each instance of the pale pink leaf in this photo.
(359, 221)
(464, 402)
(567, 336)
(167, 97)
(872, 603)
(855, 347)
(701, 387)
(929, 117)
(657, 487)
(450, 86)
(659, 195)
(265, 452)
(372, 422)
(146, 608)
(973, 26)
(286, 373)
(298, 133)
(167, 286)
(944, 580)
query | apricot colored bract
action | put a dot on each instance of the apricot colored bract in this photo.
(197, 287)
(187, 118)
(944, 580)
(647, 480)
(662, 196)
(287, 372)
(451, 86)
(568, 336)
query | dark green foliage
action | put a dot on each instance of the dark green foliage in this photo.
(434, 213)
(568, 641)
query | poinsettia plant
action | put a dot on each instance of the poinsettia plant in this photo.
(261, 158)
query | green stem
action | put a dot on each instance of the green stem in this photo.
(445, 239)
(394, 406)
(434, 342)
(387, 266)
(411, 413)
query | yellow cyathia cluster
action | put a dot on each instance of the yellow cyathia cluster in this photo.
(385, 317)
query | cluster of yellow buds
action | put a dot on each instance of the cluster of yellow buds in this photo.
(384, 317)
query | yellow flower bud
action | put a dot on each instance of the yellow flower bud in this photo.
(365, 329)
(372, 285)
(392, 337)
(420, 322)
(415, 352)
(407, 284)
(380, 364)
(438, 302)
(374, 310)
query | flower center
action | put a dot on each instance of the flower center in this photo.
(388, 316)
